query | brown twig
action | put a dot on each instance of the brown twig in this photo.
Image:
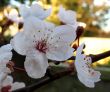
(97, 57)
(100, 56)
(44, 81)
(48, 79)
(19, 69)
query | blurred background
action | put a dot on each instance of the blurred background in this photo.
(93, 15)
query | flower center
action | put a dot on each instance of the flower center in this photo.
(41, 46)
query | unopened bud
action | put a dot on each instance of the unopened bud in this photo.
(75, 46)
(79, 31)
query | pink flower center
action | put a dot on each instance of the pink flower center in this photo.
(41, 46)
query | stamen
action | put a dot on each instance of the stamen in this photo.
(41, 46)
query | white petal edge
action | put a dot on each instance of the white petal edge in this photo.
(21, 43)
(60, 54)
(17, 85)
(42, 14)
(67, 16)
(7, 47)
(5, 54)
(33, 25)
(62, 34)
(8, 81)
(24, 11)
(36, 64)
(86, 82)
(79, 50)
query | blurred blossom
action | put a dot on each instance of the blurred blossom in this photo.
(5, 57)
(13, 15)
(15, 3)
(82, 24)
(8, 81)
(68, 17)
(13, 29)
(102, 2)
(27, 11)
(1, 16)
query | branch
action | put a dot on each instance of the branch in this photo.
(44, 81)
(100, 56)
(97, 57)
(58, 75)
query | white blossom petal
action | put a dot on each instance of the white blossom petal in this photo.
(62, 34)
(33, 25)
(42, 14)
(6, 48)
(17, 85)
(49, 25)
(5, 57)
(59, 43)
(86, 82)
(35, 10)
(37, 29)
(46, 13)
(4, 70)
(33, 32)
(36, 64)
(5, 54)
(14, 16)
(21, 44)
(8, 81)
(86, 74)
(67, 16)
(60, 54)
(2, 77)
(79, 50)
(24, 11)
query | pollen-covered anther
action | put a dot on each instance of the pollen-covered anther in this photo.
(41, 46)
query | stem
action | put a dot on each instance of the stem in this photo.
(20, 69)
(78, 41)
(58, 75)
(97, 57)
(44, 81)
(100, 56)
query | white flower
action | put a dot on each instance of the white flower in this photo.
(68, 17)
(86, 74)
(34, 10)
(5, 56)
(8, 81)
(32, 24)
(41, 45)
(14, 16)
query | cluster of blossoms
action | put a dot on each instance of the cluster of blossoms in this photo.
(41, 40)
(6, 81)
